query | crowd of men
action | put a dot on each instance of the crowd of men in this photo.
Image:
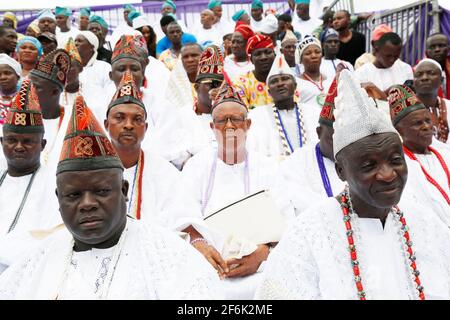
(121, 145)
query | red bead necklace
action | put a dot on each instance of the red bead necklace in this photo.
(318, 84)
(430, 179)
(347, 207)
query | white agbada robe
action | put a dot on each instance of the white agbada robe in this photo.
(312, 260)
(305, 27)
(199, 131)
(424, 188)
(63, 37)
(228, 187)
(154, 263)
(203, 35)
(256, 25)
(328, 67)
(264, 136)
(178, 91)
(398, 73)
(95, 73)
(12, 192)
(299, 183)
(159, 182)
(157, 75)
(235, 69)
(224, 26)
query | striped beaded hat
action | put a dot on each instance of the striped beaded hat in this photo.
(226, 93)
(127, 92)
(25, 114)
(54, 67)
(86, 146)
(402, 101)
(211, 64)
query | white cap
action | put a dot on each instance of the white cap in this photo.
(279, 66)
(356, 114)
(46, 13)
(269, 24)
(91, 37)
(307, 41)
(140, 22)
(5, 59)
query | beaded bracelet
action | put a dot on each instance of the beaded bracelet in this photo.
(198, 240)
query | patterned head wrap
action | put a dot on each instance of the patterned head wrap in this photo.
(244, 29)
(35, 42)
(259, 41)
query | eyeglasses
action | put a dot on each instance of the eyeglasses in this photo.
(234, 120)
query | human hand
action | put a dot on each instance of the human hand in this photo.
(373, 91)
(213, 257)
(249, 264)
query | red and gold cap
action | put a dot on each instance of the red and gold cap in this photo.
(54, 67)
(327, 114)
(127, 92)
(127, 47)
(244, 29)
(25, 115)
(86, 146)
(402, 101)
(211, 64)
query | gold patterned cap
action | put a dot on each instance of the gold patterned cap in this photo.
(211, 64)
(86, 146)
(25, 115)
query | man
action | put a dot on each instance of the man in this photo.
(360, 244)
(252, 86)
(167, 139)
(285, 25)
(94, 71)
(239, 62)
(83, 21)
(22, 182)
(63, 22)
(375, 36)
(221, 24)
(49, 78)
(279, 128)
(437, 48)
(301, 20)
(388, 69)
(330, 45)
(256, 14)
(98, 26)
(205, 32)
(180, 90)
(308, 175)
(233, 166)
(352, 43)
(413, 121)
(151, 178)
(327, 22)
(288, 48)
(427, 83)
(8, 40)
(47, 21)
(99, 241)
(165, 42)
(48, 41)
(241, 16)
(170, 56)
(168, 7)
